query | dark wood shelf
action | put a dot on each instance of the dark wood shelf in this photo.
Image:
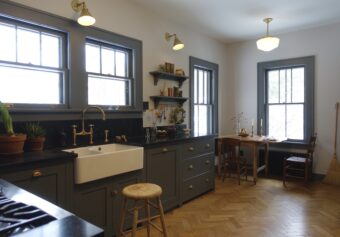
(168, 76)
(158, 99)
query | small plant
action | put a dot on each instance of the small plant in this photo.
(6, 119)
(34, 130)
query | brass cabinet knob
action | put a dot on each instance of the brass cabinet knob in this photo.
(165, 150)
(114, 193)
(36, 173)
(207, 162)
(191, 148)
(207, 145)
(191, 187)
(191, 167)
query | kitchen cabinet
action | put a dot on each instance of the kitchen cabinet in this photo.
(162, 166)
(99, 201)
(48, 180)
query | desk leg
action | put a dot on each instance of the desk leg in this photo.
(266, 150)
(254, 151)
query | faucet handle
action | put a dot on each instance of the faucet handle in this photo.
(106, 135)
(74, 126)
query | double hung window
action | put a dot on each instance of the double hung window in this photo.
(32, 64)
(109, 71)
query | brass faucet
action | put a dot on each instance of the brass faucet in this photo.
(83, 132)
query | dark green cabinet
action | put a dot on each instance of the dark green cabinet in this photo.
(162, 166)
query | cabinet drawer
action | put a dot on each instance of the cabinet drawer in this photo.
(197, 185)
(197, 165)
(198, 147)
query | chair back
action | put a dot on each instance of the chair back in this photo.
(311, 146)
(231, 149)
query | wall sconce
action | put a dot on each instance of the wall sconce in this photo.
(177, 43)
(268, 43)
(85, 18)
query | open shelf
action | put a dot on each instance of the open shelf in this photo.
(168, 76)
(179, 100)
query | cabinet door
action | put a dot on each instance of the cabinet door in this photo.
(47, 182)
(162, 168)
(93, 203)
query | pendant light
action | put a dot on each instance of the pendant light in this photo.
(268, 43)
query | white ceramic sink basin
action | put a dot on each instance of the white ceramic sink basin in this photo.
(96, 162)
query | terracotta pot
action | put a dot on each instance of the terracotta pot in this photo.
(12, 145)
(34, 144)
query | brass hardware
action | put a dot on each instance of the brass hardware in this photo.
(36, 173)
(207, 180)
(191, 167)
(207, 162)
(191, 187)
(207, 145)
(191, 148)
(165, 150)
(114, 193)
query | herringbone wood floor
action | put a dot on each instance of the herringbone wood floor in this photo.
(267, 209)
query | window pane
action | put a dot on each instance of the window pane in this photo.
(196, 119)
(195, 85)
(282, 86)
(295, 122)
(276, 123)
(103, 91)
(28, 46)
(205, 87)
(7, 43)
(289, 85)
(200, 86)
(201, 114)
(121, 64)
(92, 58)
(50, 51)
(273, 86)
(298, 80)
(108, 61)
(36, 87)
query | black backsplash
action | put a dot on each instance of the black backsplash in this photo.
(59, 133)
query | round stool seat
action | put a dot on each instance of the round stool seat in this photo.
(142, 191)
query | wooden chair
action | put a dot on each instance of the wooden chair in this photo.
(232, 160)
(300, 166)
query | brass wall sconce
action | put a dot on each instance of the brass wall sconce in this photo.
(177, 43)
(85, 18)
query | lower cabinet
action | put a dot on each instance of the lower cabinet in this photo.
(99, 202)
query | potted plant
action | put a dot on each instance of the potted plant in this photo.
(35, 137)
(10, 143)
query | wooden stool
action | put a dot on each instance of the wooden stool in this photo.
(138, 192)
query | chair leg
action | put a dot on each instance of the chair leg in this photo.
(161, 213)
(147, 213)
(122, 217)
(238, 173)
(135, 220)
(306, 173)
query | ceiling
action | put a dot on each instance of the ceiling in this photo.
(239, 20)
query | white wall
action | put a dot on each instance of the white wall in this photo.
(129, 19)
(322, 42)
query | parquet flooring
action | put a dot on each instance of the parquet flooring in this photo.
(266, 209)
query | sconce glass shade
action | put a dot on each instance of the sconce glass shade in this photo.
(177, 44)
(86, 19)
(268, 43)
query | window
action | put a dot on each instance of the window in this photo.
(109, 74)
(203, 96)
(286, 91)
(32, 64)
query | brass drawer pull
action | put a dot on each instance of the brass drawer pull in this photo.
(207, 145)
(191, 187)
(114, 193)
(36, 173)
(191, 148)
(207, 162)
(190, 167)
(207, 180)
(165, 150)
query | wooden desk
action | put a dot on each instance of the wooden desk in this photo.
(253, 143)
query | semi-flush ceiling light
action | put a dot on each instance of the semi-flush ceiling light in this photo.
(268, 43)
(177, 43)
(85, 18)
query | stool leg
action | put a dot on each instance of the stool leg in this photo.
(161, 213)
(147, 213)
(122, 217)
(135, 220)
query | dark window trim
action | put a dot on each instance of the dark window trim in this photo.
(76, 88)
(262, 68)
(213, 68)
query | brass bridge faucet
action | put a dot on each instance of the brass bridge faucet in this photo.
(83, 132)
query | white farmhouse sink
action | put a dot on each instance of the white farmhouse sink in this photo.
(96, 162)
